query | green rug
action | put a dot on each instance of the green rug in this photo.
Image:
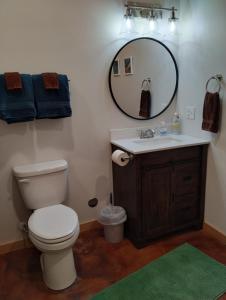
(182, 274)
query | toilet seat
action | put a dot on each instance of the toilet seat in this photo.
(53, 224)
(54, 241)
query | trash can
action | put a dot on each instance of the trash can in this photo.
(113, 218)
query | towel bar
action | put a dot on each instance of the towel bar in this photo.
(218, 78)
(147, 82)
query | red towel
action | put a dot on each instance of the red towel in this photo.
(211, 112)
(51, 81)
(13, 81)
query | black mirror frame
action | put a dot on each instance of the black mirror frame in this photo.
(176, 85)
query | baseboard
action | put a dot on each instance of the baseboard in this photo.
(22, 244)
(216, 233)
(15, 245)
(90, 225)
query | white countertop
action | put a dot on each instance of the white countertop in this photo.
(158, 143)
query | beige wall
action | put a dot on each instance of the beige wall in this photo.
(78, 38)
(203, 54)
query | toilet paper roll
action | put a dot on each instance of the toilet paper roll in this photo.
(118, 157)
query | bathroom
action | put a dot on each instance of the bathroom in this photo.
(80, 39)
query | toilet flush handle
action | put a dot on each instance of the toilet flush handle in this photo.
(25, 180)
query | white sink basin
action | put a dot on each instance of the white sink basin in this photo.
(157, 140)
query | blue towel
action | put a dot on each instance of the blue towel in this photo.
(52, 104)
(17, 106)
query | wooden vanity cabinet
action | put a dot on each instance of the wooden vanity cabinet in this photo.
(162, 192)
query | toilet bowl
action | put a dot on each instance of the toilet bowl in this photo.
(54, 230)
(53, 227)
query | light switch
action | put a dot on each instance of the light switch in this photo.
(190, 112)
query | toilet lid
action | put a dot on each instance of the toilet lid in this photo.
(53, 222)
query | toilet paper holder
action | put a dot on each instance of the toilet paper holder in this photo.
(130, 157)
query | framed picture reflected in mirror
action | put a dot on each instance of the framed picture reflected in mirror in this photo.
(128, 65)
(116, 68)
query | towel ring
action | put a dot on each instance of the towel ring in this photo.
(218, 78)
(147, 82)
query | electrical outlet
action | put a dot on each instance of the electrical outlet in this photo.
(190, 112)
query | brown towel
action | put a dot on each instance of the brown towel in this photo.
(145, 104)
(13, 81)
(51, 81)
(211, 112)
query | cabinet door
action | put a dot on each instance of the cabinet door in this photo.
(156, 191)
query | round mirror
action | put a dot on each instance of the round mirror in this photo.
(143, 78)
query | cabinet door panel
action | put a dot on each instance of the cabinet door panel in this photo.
(156, 191)
(186, 178)
(184, 209)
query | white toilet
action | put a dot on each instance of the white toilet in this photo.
(53, 227)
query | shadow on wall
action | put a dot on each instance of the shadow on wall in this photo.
(215, 195)
(102, 191)
(20, 128)
(25, 140)
(17, 143)
(55, 134)
(21, 210)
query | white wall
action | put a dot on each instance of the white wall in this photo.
(202, 53)
(79, 38)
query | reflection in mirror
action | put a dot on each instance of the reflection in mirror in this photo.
(147, 81)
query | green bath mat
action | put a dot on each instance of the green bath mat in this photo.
(182, 274)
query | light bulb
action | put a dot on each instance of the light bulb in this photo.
(152, 24)
(173, 20)
(128, 24)
(152, 20)
(172, 26)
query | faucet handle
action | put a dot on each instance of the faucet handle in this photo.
(146, 133)
(154, 131)
(140, 133)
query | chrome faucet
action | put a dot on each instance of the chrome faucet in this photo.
(147, 133)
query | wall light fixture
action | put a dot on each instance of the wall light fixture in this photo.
(152, 20)
(150, 12)
(129, 23)
(173, 20)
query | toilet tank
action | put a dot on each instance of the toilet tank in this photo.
(42, 184)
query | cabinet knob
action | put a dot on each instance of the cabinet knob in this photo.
(187, 178)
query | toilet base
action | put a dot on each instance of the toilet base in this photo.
(58, 269)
